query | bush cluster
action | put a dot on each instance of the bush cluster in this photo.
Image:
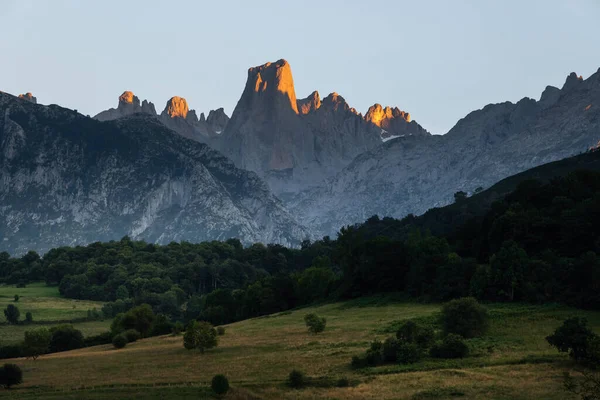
(413, 340)
(314, 323)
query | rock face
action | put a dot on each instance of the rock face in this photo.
(129, 104)
(66, 179)
(29, 97)
(293, 143)
(414, 173)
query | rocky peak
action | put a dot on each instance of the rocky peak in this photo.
(176, 107)
(192, 117)
(129, 98)
(217, 120)
(148, 108)
(309, 104)
(129, 104)
(381, 116)
(572, 81)
(29, 97)
(270, 85)
(336, 102)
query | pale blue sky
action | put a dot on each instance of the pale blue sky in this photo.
(437, 60)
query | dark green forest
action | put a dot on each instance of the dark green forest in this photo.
(539, 243)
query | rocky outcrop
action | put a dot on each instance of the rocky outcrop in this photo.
(217, 120)
(178, 117)
(29, 97)
(129, 104)
(176, 107)
(309, 104)
(67, 179)
(413, 173)
(393, 122)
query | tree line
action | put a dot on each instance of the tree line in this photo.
(540, 243)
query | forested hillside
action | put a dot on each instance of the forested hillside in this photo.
(537, 244)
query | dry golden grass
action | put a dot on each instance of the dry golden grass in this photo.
(257, 356)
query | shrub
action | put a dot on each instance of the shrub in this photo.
(16, 298)
(408, 353)
(465, 317)
(28, 317)
(12, 351)
(407, 332)
(131, 335)
(37, 342)
(10, 375)
(296, 379)
(342, 382)
(376, 345)
(453, 346)
(102, 338)
(373, 357)
(390, 349)
(359, 362)
(220, 384)
(573, 337)
(162, 325)
(315, 323)
(65, 337)
(12, 314)
(220, 330)
(200, 335)
(425, 337)
(119, 341)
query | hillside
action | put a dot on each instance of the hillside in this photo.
(512, 361)
(68, 179)
(443, 221)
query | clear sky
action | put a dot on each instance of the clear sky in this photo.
(437, 60)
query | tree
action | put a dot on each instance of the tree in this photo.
(10, 375)
(37, 342)
(314, 323)
(508, 268)
(65, 337)
(12, 314)
(460, 196)
(28, 317)
(122, 292)
(200, 335)
(574, 337)
(16, 298)
(220, 384)
(139, 318)
(464, 317)
(296, 379)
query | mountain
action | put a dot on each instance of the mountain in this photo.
(297, 143)
(67, 179)
(413, 173)
(176, 116)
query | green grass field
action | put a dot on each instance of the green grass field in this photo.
(46, 306)
(512, 362)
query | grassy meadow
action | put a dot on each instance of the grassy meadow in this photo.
(48, 309)
(513, 361)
